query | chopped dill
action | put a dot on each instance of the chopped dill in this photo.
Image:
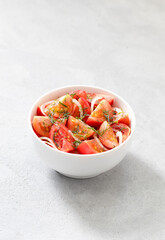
(107, 116)
(55, 140)
(96, 131)
(76, 143)
(72, 94)
(63, 104)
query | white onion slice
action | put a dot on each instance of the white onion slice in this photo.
(42, 109)
(48, 141)
(115, 130)
(49, 144)
(93, 102)
(79, 106)
(98, 141)
(120, 136)
(44, 105)
(75, 138)
(118, 110)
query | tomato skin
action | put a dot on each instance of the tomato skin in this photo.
(123, 128)
(41, 108)
(91, 96)
(107, 136)
(80, 130)
(61, 107)
(98, 116)
(41, 125)
(40, 112)
(61, 137)
(78, 93)
(124, 119)
(86, 108)
(74, 151)
(89, 147)
(38, 135)
(75, 112)
(120, 117)
(108, 98)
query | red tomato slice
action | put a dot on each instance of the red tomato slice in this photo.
(41, 125)
(120, 117)
(74, 151)
(79, 128)
(75, 112)
(89, 147)
(107, 136)
(108, 98)
(123, 128)
(102, 113)
(61, 108)
(78, 93)
(41, 108)
(91, 96)
(85, 107)
(61, 137)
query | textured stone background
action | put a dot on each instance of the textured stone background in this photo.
(119, 45)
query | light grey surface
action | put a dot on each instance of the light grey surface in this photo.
(119, 45)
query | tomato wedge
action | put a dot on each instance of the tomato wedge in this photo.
(41, 108)
(78, 93)
(107, 136)
(41, 125)
(61, 137)
(61, 107)
(79, 129)
(102, 113)
(75, 112)
(85, 107)
(123, 128)
(91, 96)
(120, 117)
(89, 147)
(108, 98)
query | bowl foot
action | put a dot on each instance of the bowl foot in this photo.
(78, 177)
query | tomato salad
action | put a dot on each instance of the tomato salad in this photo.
(82, 123)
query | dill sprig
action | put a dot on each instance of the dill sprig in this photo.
(63, 104)
(72, 94)
(96, 131)
(107, 116)
(76, 143)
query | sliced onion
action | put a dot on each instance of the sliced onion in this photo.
(98, 141)
(93, 102)
(118, 110)
(48, 141)
(79, 106)
(44, 105)
(115, 130)
(75, 138)
(120, 136)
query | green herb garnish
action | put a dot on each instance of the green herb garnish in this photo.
(63, 104)
(76, 143)
(72, 94)
(107, 116)
(55, 140)
(94, 130)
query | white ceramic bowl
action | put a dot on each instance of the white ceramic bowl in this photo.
(79, 165)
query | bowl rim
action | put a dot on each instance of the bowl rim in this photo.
(75, 154)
